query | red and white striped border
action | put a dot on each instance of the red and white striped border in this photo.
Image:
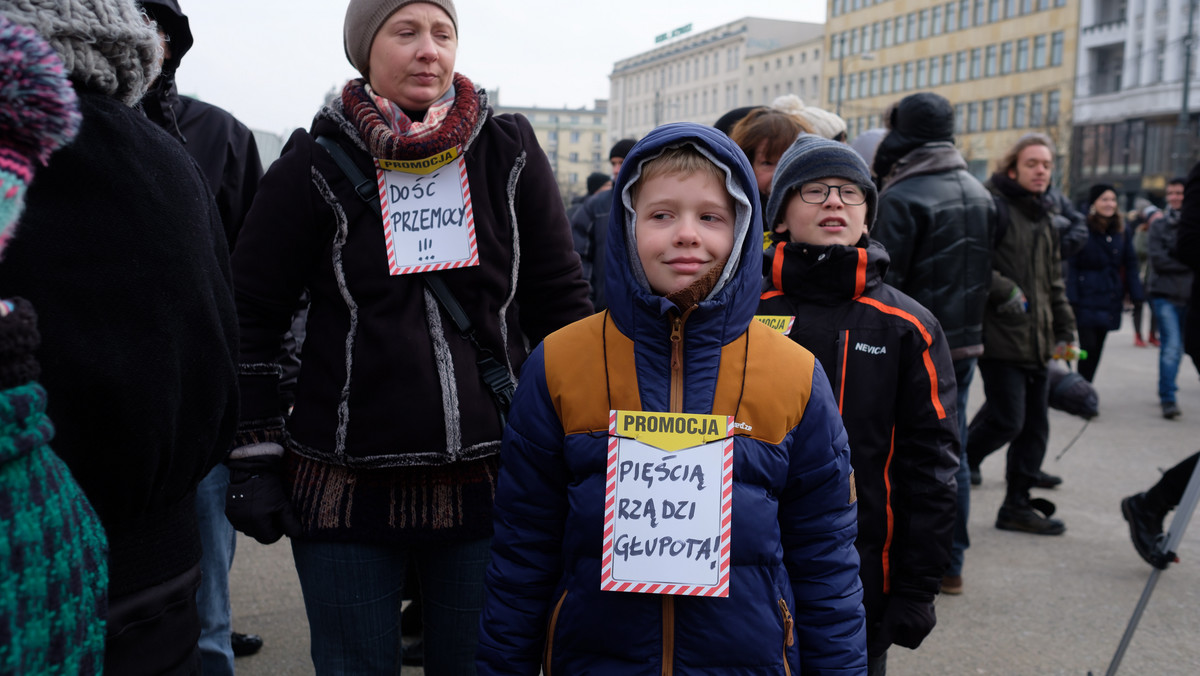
(607, 583)
(472, 258)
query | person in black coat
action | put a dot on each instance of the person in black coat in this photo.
(227, 155)
(139, 331)
(1100, 275)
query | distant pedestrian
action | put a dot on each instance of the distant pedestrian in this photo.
(589, 229)
(1027, 322)
(1169, 285)
(1101, 275)
(763, 135)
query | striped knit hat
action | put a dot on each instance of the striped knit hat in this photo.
(38, 114)
(812, 158)
(107, 46)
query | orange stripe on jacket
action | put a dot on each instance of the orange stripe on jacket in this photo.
(860, 274)
(929, 367)
(777, 266)
(891, 517)
(845, 360)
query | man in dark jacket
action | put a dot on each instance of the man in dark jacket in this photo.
(227, 155)
(936, 222)
(124, 255)
(589, 225)
(1028, 320)
(1169, 285)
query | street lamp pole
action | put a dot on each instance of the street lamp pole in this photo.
(1184, 144)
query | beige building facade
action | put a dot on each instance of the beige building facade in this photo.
(1008, 66)
(574, 139)
(699, 77)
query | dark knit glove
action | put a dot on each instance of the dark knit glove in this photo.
(18, 341)
(256, 502)
(906, 622)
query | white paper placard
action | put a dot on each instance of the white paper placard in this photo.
(668, 499)
(427, 219)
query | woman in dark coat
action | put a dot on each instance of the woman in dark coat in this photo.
(1100, 275)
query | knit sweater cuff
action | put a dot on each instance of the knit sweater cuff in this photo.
(18, 340)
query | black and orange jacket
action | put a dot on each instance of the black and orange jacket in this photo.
(893, 379)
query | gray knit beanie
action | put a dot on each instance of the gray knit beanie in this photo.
(107, 46)
(363, 19)
(812, 158)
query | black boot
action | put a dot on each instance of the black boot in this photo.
(1020, 513)
(1145, 527)
(1046, 480)
(245, 644)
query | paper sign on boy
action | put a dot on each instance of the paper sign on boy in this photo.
(667, 503)
(427, 217)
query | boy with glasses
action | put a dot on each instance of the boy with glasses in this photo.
(890, 368)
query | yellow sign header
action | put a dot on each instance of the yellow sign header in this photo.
(425, 166)
(672, 431)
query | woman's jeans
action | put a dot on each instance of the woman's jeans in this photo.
(352, 596)
(1171, 318)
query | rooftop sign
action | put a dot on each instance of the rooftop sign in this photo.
(673, 34)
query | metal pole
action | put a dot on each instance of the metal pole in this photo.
(1184, 145)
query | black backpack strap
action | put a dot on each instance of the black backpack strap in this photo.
(494, 375)
(364, 186)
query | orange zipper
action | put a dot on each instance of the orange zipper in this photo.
(788, 638)
(550, 633)
(676, 406)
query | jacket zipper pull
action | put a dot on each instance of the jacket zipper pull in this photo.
(788, 625)
(676, 339)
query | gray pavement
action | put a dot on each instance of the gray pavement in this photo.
(1033, 605)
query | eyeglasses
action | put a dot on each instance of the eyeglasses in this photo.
(851, 194)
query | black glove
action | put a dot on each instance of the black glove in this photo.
(256, 502)
(906, 622)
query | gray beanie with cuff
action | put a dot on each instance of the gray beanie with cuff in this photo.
(812, 158)
(107, 46)
(365, 17)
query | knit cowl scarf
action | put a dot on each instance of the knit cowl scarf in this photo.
(383, 142)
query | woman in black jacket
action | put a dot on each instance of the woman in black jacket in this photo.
(1101, 275)
(390, 455)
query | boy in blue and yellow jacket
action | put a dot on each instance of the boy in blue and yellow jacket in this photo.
(683, 274)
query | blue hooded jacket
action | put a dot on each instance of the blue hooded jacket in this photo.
(795, 601)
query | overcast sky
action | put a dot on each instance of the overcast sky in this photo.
(270, 62)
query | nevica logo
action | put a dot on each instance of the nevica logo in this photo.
(870, 349)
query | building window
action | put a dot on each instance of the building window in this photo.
(993, 10)
(947, 68)
(1053, 104)
(935, 71)
(596, 157)
(1160, 54)
(980, 12)
(552, 135)
(1006, 58)
(962, 67)
(851, 80)
(960, 119)
(936, 18)
(897, 83)
(989, 115)
(597, 137)
(885, 85)
(1035, 110)
(1027, 6)
(1039, 51)
(573, 157)
(951, 17)
(574, 137)
(1022, 55)
(924, 23)
(908, 76)
(1010, 8)
(887, 33)
(1019, 112)
(573, 178)
(874, 87)
(976, 63)
(972, 117)
(964, 14)
(898, 29)
(912, 26)
(1002, 113)
(921, 74)
(1056, 49)
(990, 61)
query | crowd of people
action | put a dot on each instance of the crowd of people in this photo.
(226, 348)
